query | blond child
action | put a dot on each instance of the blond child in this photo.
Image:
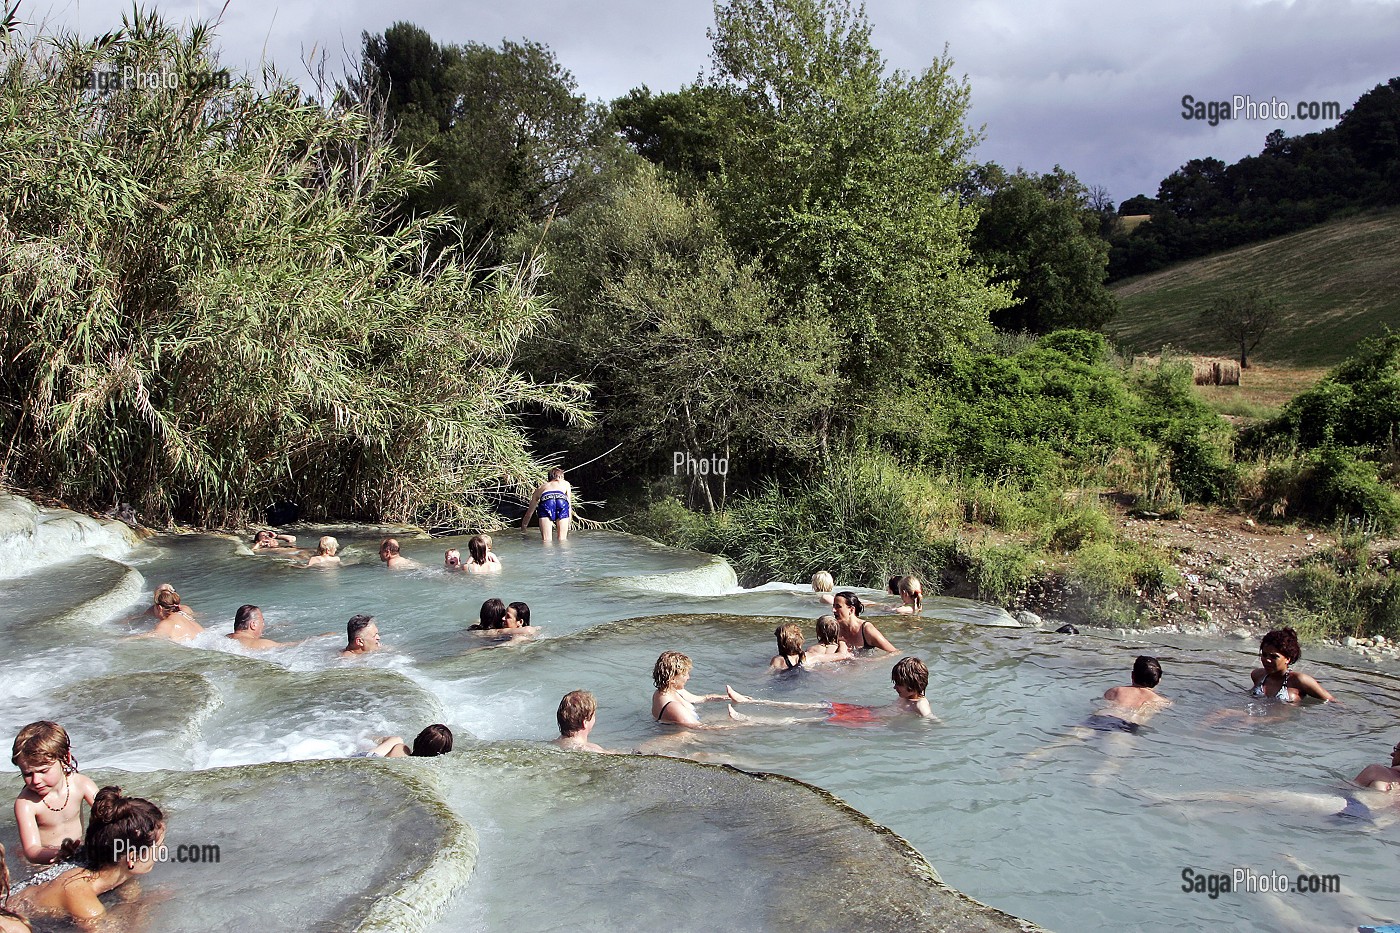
(49, 810)
(822, 584)
(325, 555)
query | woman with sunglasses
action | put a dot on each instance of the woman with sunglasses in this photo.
(1278, 650)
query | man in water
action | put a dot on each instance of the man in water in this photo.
(389, 554)
(577, 714)
(361, 636)
(248, 628)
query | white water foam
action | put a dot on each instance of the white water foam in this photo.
(32, 537)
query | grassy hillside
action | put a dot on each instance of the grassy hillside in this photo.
(1336, 282)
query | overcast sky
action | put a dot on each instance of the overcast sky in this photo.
(1092, 85)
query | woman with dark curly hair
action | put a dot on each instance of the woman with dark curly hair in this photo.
(1278, 650)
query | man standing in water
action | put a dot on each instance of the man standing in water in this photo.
(361, 636)
(554, 500)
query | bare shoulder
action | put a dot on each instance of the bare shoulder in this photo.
(87, 785)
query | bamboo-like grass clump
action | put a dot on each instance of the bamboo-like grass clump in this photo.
(209, 300)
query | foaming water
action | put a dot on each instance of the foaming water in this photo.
(1080, 836)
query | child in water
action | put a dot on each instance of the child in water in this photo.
(829, 645)
(325, 555)
(792, 657)
(123, 842)
(822, 585)
(49, 809)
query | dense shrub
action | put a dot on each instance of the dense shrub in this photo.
(863, 519)
(1357, 405)
(204, 306)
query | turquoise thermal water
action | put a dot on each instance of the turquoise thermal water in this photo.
(1084, 837)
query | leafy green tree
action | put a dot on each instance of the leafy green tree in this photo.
(1244, 317)
(206, 309)
(685, 131)
(510, 138)
(843, 183)
(1041, 234)
(689, 349)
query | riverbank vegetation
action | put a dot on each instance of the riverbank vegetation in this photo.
(403, 295)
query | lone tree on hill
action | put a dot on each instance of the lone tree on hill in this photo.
(1244, 317)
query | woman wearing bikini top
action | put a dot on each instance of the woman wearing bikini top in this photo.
(1277, 651)
(853, 630)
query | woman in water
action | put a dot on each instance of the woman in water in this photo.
(672, 703)
(173, 620)
(517, 615)
(1278, 650)
(267, 540)
(493, 616)
(855, 631)
(123, 842)
(554, 500)
(433, 741)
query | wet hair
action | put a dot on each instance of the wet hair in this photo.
(432, 741)
(556, 474)
(912, 588)
(355, 626)
(327, 546)
(912, 674)
(477, 548)
(851, 599)
(822, 582)
(493, 614)
(827, 632)
(1147, 672)
(1284, 641)
(41, 742)
(522, 613)
(243, 618)
(264, 535)
(5, 892)
(133, 820)
(669, 666)
(790, 639)
(574, 710)
(167, 598)
(893, 585)
(389, 546)
(450, 553)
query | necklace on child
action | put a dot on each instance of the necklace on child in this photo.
(67, 789)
